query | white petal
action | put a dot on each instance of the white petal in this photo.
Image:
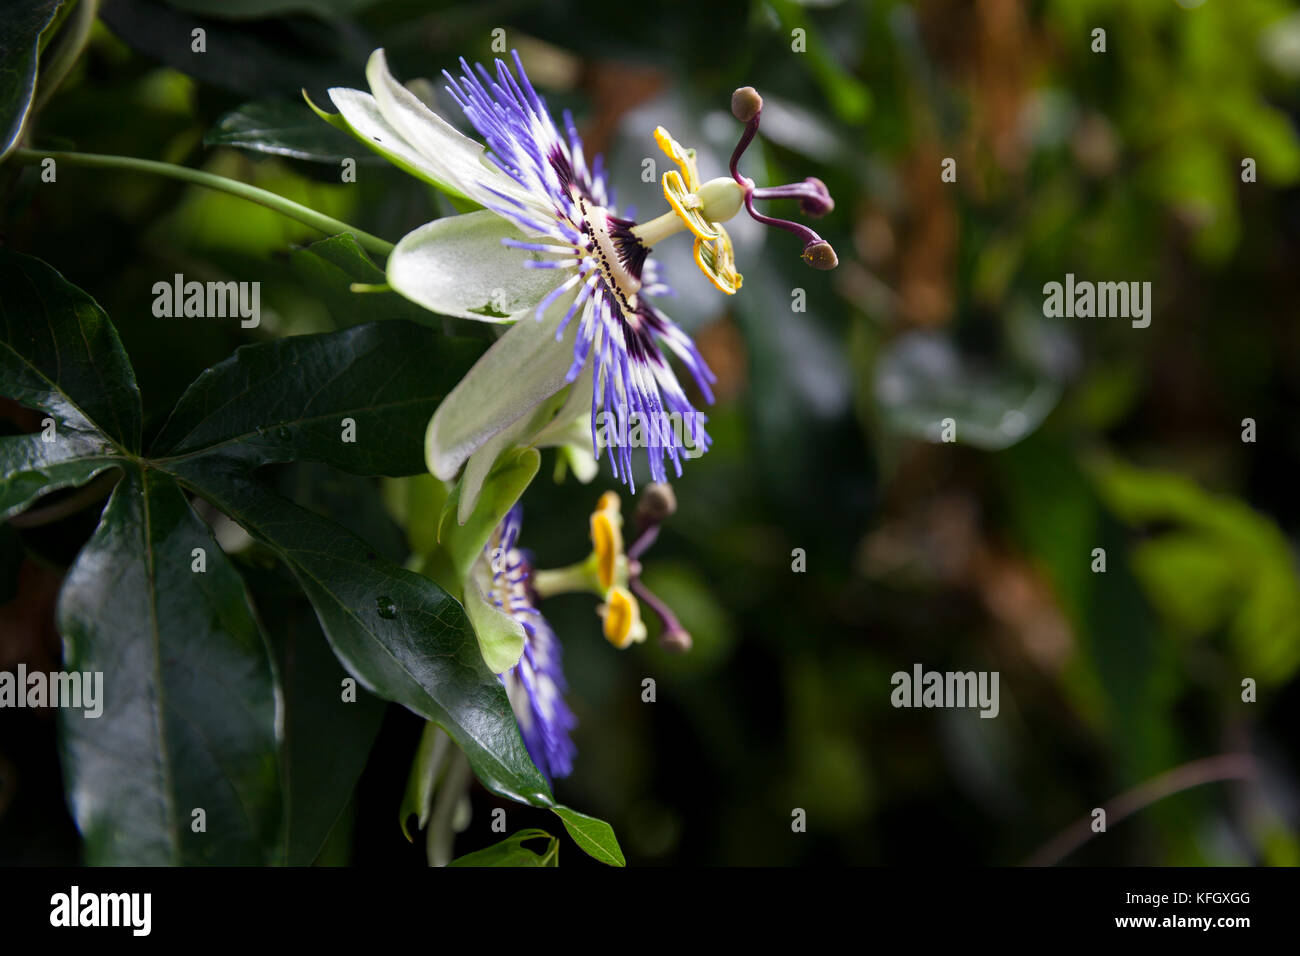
(479, 465)
(520, 371)
(572, 423)
(458, 266)
(361, 117)
(563, 419)
(440, 143)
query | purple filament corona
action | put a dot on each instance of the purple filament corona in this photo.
(612, 277)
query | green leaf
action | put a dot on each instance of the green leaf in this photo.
(347, 500)
(1220, 564)
(512, 852)
(31, 467)
(296, 396)
(60, 354)
(596, 837)
(345, 254)
(189, 702)
(189, 699)
(21, 25)
(329, 267)
(396, 631)
(284, 128)
(382, 620)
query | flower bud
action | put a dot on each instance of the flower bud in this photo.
(819, 205)
(678, 641)
(657, 503)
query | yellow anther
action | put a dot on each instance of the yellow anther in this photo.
(622, 618)
(688, 206)
(607, 538)
(679, 154)
(717, 260)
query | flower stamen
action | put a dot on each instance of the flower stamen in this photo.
(621, 619)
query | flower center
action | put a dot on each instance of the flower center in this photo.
(617, 250)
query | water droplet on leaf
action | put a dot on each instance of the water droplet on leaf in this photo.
(386, 608)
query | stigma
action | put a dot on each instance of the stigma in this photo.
(702, 207)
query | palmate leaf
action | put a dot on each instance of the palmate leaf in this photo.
(187, 739)
(357, 400)
(187, 731)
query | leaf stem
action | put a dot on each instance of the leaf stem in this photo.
(198, 177)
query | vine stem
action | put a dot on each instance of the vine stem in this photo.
(287, 207)
(1194, 774)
